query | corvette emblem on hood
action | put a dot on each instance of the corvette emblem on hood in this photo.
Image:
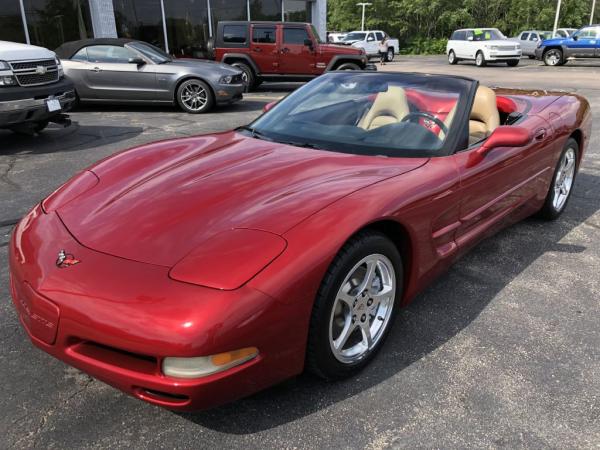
(65, 260)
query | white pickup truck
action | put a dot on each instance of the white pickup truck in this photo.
(370, 40)
(33, 88)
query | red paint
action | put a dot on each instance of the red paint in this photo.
(287, 210)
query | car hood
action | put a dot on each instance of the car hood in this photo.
(156, 203)
(498, 42)
(204, 65)
(340, 48)
(12, 51)
(554, 41)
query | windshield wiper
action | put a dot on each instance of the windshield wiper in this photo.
(254, 133)
(300, 144)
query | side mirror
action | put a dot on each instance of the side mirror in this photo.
(470, 38)
(575, 37)
(503, 136)
(370, 39)
(308, 43)
(269, 106)
(137, 60)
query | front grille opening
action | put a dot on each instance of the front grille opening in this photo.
(166, 395)
(34, 78)
(117, 357)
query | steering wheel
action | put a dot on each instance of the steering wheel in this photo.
(412, 115)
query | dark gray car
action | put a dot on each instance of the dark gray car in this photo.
(128, 71)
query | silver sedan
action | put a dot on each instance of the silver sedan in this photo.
(127, 71)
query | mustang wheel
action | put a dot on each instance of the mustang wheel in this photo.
(195, 97)
(355, 306)
(480, 60)
(562, 182)
(452, 59)
(553, 57)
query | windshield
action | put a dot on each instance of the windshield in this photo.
(355, 36)
(491, 34)
(546, 35)
(155, 54)
(391, 114)
(316, 34)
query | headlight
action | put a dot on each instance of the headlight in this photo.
(4, 65)
(206, 365)
(539, 44)
(8, 81)
(76, 186)
(226, 79)
(492, 47)
(61, 72)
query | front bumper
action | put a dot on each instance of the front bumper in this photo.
(21, 104)
(117, 320)
(503, 56)
(228, 93)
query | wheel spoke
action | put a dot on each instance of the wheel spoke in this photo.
(367, 281)
(345, 334)
(365, 330)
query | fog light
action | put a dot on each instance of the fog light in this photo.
(7, 81)
(202, 366)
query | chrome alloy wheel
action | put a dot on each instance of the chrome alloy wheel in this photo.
(552, 57)
(564, 179)
(362, 308)
(194, 96)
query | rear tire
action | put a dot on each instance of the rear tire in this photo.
(40, 126)
(480, 60)
(348, 66)
(452, 59)
(248, 75)
(353, 312)
(563, 182)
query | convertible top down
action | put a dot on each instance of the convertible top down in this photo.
(191, 272)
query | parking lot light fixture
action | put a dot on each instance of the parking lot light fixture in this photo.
(364, 5)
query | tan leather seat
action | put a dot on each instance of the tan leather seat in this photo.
(448, 120)
(389, 107)
(485, 117)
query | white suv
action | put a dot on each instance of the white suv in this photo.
(483, 45)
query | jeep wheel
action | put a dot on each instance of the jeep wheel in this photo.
(512, 63)
(247, 76)
(348, 66)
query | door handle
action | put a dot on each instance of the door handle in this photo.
(96, 69)
(257, 49)
(540, 134)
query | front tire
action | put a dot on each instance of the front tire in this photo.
(512, 63)
(452, 59)
(195, 97)
(554, 57)
(389, 57)
(355, 306)
(563, 180)
(480, 60)
(248, 76)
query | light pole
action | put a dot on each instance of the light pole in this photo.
(592, 15)
(556, 18)
(364, 5)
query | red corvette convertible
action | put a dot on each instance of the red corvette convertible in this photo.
(194, 271)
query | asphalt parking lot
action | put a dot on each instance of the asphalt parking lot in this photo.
(501, 352)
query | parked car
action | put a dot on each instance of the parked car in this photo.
(33, 88)
(369, 41)
(482, 45)
(584, 43)
(194, 271)
(128, 71)
(529, 41)
(334, 37)
(275, 51)
(564, 32)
